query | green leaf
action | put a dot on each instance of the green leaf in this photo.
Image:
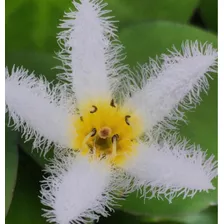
(132, 11)
(41, 63)
(26, 206)
(46, 19)
(126, 218)
(120, 217)
(142, 41)
(150, 39)
(11, 166)
(209, 13)
(32, 24)
(36, 155)
(11, 6)
(208, 216)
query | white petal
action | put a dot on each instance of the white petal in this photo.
(90, 51)
(77, 189)
(172, 169)
(177, 81)
(39, 111)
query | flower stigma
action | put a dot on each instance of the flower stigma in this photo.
(107, 131)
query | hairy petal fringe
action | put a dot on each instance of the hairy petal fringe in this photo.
(78, 189)
(90, 52)
(171, 169)
(175, 84)
(42, 112)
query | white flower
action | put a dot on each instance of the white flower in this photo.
(106, 140)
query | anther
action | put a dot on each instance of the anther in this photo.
(81, 118)
(87, 137)
(94, 109)
(93, 132)
(115, 137)
(127, 119)
(112, 103)
(103, 156)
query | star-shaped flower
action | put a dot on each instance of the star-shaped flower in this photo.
(109, 127)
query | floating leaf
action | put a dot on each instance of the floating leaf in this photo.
(120, 217)
(132, 11)
(36, 155)
(208, 216)
(41, 63)
(11, 166)
(209, 13)
(32, 24)
(26, 206)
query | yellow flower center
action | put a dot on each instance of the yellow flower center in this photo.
(105, 130)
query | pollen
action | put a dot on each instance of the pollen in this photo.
(106, 131)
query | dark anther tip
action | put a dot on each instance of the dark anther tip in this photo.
(81, 118)
(103, 156)
(112, 103)
(94, 109)
(115, 137)
(127, 119)
(94, 132)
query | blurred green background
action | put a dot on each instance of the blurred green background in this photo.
(146, 28)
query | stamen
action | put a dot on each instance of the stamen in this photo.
(116, 136)
(103, 156)
(114, 145)
(91, 134)
(105, 130)
(94, 109)
(112, 103)
(127, 119)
